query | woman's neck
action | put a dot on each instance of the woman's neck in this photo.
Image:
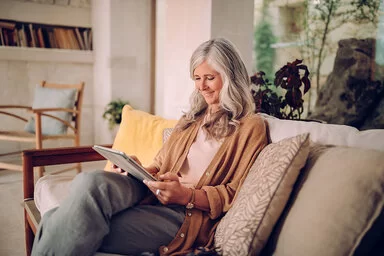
(212, 109)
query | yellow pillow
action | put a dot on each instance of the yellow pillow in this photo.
(140, 134)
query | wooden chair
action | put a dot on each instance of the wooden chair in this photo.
(45, 157)
(38, 137)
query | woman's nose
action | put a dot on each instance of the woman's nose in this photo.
(201, 85)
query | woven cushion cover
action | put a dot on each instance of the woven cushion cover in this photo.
(245, 229)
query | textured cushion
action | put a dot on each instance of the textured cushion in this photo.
(52, 98)
(140, 134)
(334, 206)
(246, 227)
(50, 191)
(332, 134)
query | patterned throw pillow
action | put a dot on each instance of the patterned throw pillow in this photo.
(245, 229)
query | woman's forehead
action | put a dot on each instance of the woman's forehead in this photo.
(205, 68)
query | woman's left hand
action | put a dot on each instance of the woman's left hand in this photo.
(169, 190)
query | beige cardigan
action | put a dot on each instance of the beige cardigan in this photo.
(220, 180)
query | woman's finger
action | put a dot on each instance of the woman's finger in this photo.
(169, 177)
(118, 170)
(136, 159)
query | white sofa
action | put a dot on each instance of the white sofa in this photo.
(335, 206)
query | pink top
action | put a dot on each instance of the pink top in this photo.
(199, 157)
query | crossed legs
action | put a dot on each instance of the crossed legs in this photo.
(101, 213)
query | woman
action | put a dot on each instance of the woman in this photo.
(200, 167)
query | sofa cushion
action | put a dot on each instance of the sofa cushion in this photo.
(50, 191)
(52, 98)
(332, 134)
(140, 134)
(336, 204)
(246, 227)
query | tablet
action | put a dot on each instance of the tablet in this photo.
(124, 162)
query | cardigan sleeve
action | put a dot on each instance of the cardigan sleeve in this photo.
(247, 147)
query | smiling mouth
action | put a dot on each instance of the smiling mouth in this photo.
(207, 94)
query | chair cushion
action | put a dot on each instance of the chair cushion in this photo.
(52, 98)
(140, 134)
(50, 191)
(337, 202)
(245, 229)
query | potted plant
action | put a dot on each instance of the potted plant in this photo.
(113, 111)
(289, 79)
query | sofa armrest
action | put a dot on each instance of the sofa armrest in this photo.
(53, 156)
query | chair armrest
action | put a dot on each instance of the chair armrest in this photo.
(41, 110)
(8, 107)
(53, 156)
(15, 106)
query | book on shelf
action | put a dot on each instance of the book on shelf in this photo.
(85, 36)
(2, 42)
(25, 34)
(80, 39)
(40, 37)
(72, 39)
(7, 25)
(33, 36)
(22, 37)
(90, 40)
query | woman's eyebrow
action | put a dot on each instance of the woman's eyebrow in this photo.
(206, 75)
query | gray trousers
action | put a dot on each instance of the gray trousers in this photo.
(101, 214)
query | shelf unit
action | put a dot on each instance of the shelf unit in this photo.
(45, 15)
(48, 55)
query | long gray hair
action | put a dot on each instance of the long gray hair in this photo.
(236, 100)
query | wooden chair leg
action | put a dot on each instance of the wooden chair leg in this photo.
(78, 167)
(77, 144)
(41, 171)
(29, 236)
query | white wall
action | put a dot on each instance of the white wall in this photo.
(122, 57)
(234, 21)
(101, 72)
(182, 25)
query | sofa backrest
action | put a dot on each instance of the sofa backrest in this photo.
(142, 134)
(328, 134)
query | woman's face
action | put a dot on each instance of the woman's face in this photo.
(208, 82)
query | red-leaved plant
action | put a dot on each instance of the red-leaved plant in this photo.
(289, 78)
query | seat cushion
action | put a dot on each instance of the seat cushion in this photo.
(245, 229)
(336, 204)
(52, 98)
(50, 191)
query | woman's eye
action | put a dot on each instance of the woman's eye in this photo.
(210, 78)
(197, 78)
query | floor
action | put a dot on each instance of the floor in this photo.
(11, 214)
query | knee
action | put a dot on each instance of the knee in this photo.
(88, 181)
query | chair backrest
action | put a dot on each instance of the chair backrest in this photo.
(76, 117)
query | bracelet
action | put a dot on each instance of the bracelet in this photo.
(191, 203)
